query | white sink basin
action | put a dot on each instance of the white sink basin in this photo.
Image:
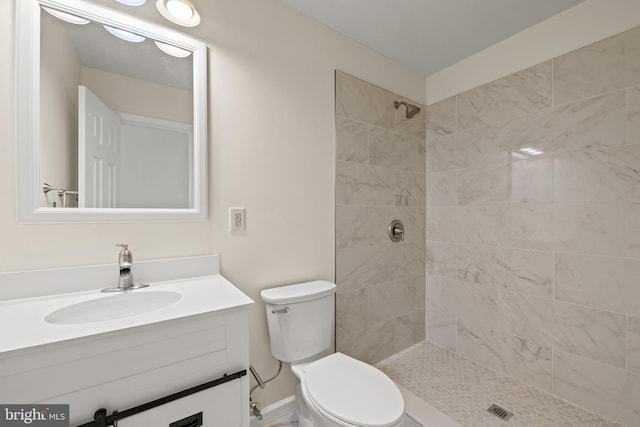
(53, 319)
(120, 306)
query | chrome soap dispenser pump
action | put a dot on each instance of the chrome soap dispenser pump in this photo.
(125, 267)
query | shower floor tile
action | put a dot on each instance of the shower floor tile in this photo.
(463, 390)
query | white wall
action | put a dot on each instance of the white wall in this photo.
(59, 79)
(126, 94)
(586, 23)
(158, 181)
(272, 84)
(271, 150)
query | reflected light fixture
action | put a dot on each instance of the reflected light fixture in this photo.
(526, 153)
(531, 151)
(72, 19)
(124, 35)
(172, 50)
(181, 12)
(132, 2)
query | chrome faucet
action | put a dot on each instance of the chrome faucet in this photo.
(125, 277)
(125, 264)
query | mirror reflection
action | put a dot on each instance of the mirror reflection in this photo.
(116, 118)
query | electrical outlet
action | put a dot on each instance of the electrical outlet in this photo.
(236, 220)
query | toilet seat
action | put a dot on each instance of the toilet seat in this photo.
(352, 392)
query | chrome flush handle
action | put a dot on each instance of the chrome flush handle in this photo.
(284, 311)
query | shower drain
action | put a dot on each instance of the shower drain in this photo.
(500, 412)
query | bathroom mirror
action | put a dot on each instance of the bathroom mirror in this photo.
(111, 117)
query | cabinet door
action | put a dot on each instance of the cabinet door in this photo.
(221, 406)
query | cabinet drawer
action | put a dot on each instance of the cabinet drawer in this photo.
(221, 406)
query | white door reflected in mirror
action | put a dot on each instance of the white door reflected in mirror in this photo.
(98, 152)
(115, 169)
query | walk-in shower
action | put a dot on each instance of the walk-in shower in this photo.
(412, 110)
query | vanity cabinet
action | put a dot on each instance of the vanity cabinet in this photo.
(130, 366)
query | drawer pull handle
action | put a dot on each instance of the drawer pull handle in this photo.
(194, 420)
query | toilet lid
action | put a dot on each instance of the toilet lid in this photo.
(353, 391)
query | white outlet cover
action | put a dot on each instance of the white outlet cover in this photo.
(237, 223)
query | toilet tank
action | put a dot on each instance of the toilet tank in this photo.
(300, 318)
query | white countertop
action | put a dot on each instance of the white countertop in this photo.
(22, 323)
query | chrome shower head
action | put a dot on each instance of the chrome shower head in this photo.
(412, 110)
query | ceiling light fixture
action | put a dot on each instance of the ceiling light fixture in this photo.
(172, 50)
(132, 2)
(72, 19)
(124, 35)
(181, 12)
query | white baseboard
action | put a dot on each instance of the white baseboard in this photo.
(275, 411)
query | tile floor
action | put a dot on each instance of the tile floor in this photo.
(464, 390)
(292, 421)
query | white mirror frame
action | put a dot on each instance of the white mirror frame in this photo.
(29, 185)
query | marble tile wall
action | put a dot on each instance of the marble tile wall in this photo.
(380, 176)
(533, 226)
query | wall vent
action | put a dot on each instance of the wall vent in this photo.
(500, 412)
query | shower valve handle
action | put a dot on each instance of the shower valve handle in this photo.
(396, 231)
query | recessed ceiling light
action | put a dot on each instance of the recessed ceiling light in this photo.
(73, 19)
(124, 35)
(181, 12)
(172, 50)
(132, 2)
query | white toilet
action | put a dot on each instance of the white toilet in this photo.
(334, 389)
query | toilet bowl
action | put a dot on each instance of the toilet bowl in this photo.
(341, 391)
(333, 390)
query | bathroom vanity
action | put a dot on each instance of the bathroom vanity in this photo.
(96, 350)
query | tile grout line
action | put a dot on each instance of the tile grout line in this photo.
(626, 349)
(457, 114)
(553, 276)
(523, 249)
(457, 321)
(553, 83)
(628, 217)
(426, 219)
(553, 372)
